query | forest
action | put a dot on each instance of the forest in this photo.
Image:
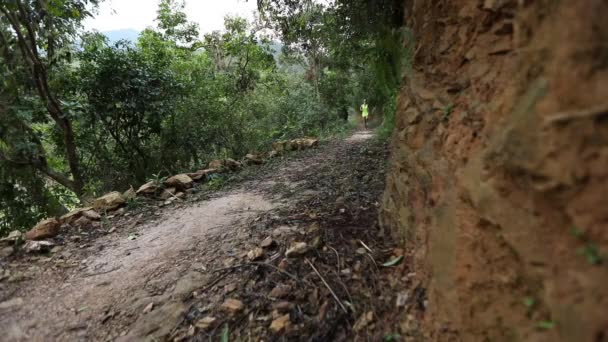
(81, 116)
(200, 182)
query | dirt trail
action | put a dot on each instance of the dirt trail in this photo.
(125, 272)
(134, 283)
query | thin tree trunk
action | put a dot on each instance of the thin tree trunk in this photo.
(39, 74)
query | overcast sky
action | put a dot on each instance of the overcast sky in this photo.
(139, 14)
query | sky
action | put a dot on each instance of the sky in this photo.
(139, 14)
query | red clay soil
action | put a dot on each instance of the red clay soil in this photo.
(499, 169)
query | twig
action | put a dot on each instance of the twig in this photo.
(328, 287)
(337, 257)
(365, 246)
(249, 264)
(564, 117)
(215, 281)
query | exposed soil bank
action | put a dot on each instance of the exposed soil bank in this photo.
(498, 182)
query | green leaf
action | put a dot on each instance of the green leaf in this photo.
(225, 333)
(546, 325)
(394, 262)
(576, 232)
(592, 253)
(392, 337)
(529, 302)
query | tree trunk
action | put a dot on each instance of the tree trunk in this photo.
(28, 44)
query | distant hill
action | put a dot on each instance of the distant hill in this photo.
(126, 34)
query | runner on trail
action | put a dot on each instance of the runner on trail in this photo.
(365, 112)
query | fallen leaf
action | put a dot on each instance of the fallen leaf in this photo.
(149, 308)
(233, 306)
(297, 249)
(394, 262)
(363, 321)
(280, 291)
(206, 322)
(280, 323)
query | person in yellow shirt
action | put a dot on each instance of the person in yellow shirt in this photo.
(365, 112)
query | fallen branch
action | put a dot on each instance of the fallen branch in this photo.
(328, 287)
(249, 264)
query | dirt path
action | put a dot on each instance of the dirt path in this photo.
(147, 278)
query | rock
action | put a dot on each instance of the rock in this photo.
(168, 193)
(5, 252)
(11, 303)
(306, 143)
(157, 325)
(233, 306)
(91, 215)
(297, 249)
(283, 230)
(278, 146)
(44, 230)
(196, 176)
(402, 299)
(280, 324)
(255, 254)
(267, 243)
(82, 222)
(38, 246)
(225, 164)
(254, 159)
(13, 237)
(232, 164)
(181, 182)
(130, 194)
(205, 323)
(202, 175)
(73, 215)
(149, 308)
(280, 291)
(147, 189)
(109, 202)
(216, 164)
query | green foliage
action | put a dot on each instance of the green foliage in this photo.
(590, 250)
(111, 116)
(545, 325)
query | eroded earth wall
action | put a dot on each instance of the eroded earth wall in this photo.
(499, 168)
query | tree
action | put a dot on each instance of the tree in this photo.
(34, 36)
